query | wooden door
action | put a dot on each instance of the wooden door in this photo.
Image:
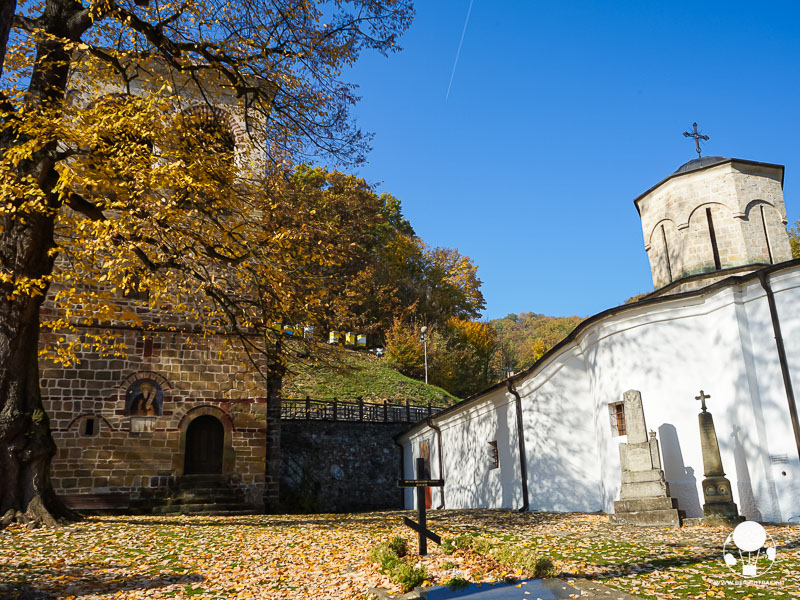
(425, 452)
(205, 438)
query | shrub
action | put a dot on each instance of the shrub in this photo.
(383, 554)
(408, 576)
(389, 555)
(398, 546)
(463, 541)
(449, 565)
(456, 583)
(447, 546)
(525, 559)
(481, 545)
(545, 568)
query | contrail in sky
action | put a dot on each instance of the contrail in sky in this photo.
(455, 64)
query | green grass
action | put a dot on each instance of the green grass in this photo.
(360, 374)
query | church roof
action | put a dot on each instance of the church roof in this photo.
(589, 321)
(699, 163)
(705, 163)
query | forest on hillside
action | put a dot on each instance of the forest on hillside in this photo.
(466, 357)
(524, 338)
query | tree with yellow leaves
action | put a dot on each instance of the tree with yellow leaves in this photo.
(114, 186)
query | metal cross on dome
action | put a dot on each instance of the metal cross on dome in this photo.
(702, 397)
(697, 137)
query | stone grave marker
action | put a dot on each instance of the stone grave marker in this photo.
(719, 505)
(644, 496)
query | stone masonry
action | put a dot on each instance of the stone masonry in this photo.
(140, 456)
(744, 200)
(644, 495)
(121, 426)
(339, 466)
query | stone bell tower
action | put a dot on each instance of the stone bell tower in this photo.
(712, 218)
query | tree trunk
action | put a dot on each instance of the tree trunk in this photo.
(26, 258)
(26, 445)
(7, 8)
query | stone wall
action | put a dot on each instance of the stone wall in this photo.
(745, 201)
(104, 448)
(340, 466)
(325, 466)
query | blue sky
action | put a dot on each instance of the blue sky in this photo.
(558, 116)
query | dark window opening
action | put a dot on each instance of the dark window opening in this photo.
(666, 252)
(617, 414)
(494, 457)
(714, 249)
(207, 142)
(89, 426)
(766, 235)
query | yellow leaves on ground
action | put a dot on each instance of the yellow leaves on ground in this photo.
(325, 556)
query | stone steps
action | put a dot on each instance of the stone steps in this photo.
(191, 496)
(205, 495)
(645, 504)
(649, 518)
(201, 508)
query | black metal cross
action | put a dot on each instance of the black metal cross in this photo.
(702, 397)
(421, 527)
(697, 137)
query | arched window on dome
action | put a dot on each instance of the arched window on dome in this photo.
(207, 144)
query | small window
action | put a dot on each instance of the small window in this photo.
(494, 458)
(616, 411)
(89, 426)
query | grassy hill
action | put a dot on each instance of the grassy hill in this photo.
(361, 375)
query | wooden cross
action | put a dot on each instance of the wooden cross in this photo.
(421, 527)
(697, 137)
(702, 397)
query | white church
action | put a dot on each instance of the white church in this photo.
(724, 318)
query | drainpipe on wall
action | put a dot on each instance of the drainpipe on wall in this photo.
(438, 431)
(787, 380)
(523, 467)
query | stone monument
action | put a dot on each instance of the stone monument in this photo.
(644, 495)
(719, 505)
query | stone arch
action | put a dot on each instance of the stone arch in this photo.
(74, 424)
(214, 114)
(228, 453)
(763, 230)
(131, 379)
(713, 239)
(665, 251)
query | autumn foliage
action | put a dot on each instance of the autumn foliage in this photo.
(121, 178)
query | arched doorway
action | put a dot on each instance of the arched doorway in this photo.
(205, 438)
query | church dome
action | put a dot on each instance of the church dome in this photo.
(699, 163)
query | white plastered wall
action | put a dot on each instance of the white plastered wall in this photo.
(470, 482)
(721, 342)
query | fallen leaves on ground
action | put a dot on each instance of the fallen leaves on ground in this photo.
(325, 556)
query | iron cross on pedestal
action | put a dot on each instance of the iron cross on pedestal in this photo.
(697, 137)
(702, 397)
